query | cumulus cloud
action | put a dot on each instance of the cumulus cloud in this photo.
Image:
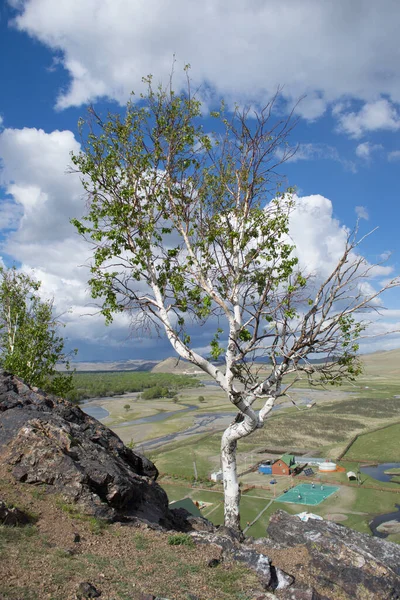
(373, 116)
(365, 150)
(42, 199)
(326, 51)
(34, 174)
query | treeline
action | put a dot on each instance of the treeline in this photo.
(99, 384)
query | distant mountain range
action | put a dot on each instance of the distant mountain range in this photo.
(384, 361)
(121, 365)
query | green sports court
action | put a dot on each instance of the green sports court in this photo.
(305, 493)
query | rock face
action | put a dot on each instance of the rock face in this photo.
(46, 440)
(351, 564)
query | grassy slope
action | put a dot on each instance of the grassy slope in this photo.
(42, 562)
(382, 445)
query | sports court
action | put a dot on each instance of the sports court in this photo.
(306, 494)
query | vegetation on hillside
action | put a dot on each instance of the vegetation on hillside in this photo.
(95, 385)
(30, 346)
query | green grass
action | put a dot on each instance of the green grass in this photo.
(180, 539)
(100, 384)
(381, 446)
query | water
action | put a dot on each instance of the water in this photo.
(97, 412)
(378, 471)
(393, 516)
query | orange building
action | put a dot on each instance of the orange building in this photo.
(285, 465)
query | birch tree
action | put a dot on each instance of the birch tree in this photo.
(30, 346)
(191, 229)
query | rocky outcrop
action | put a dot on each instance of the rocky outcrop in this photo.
(13, 516)
(232, 548)
(47, 440)
(348, 563)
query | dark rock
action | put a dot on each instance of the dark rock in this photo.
(214, 562)
(270, 576)
(77, 538)
(47, 440)
(232, 534)
(185, 521)
(13, 516)
(259, 563)
(225, 543)
(299, 593)
(87, 590)
(351, 564)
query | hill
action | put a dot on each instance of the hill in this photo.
(177, 366)
(382, 365)
(385, 364)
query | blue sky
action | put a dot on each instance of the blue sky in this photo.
(57, 57)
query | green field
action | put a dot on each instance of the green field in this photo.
(381, 446)
(97, 384)
(324, 430)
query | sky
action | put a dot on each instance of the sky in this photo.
(57, 58)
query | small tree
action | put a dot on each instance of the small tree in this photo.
(189, 227)
(30, 346)
(127, 407)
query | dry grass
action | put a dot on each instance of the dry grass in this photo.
(42, 562)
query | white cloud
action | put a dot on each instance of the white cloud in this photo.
(394, 156)
(362, 212)
(328, 51)
(373, 116)
(34, 173)
(319, 237)
(366, 149)
(317, 152)
(10, 215)
(42, 200)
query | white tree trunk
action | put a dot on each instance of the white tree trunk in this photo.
(231, 484)
(231, 435)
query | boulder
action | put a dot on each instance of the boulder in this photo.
(12, 516)
(47, 440)
(350, 564)
(390, 527)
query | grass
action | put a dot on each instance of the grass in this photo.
(180, 539)
(122, 566)
(381, 446)
(96, 525)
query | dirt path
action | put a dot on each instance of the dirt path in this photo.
(258, 516)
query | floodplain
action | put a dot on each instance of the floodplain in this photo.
(313, 422)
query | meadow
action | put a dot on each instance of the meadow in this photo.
(337, 415)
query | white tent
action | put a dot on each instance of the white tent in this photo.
(305, 516)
